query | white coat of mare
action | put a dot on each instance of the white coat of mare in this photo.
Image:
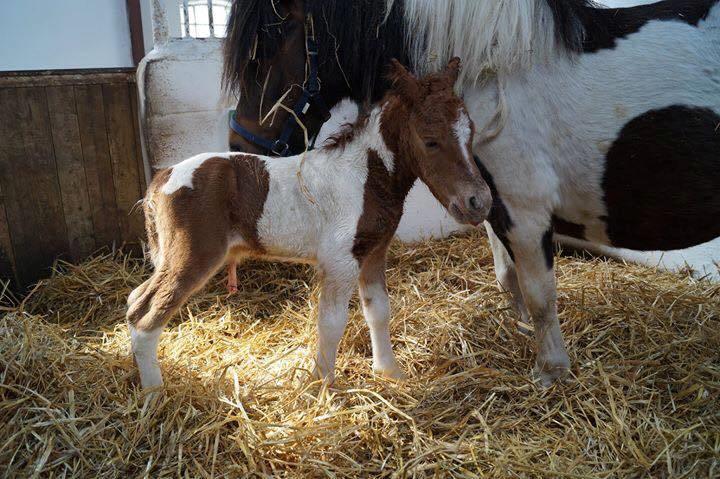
(600, 141)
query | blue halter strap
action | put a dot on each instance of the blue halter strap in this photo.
(310, 96)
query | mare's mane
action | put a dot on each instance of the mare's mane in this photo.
(356, 39)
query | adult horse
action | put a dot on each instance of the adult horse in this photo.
(600, 124)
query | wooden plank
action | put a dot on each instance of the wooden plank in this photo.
(7, 257)
(138, 143)
(98, 165)
(121, 134)
(69, 77)
(71, 172)
(30, 183)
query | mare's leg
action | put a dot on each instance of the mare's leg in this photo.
(158, 298)
(376, 308)
(337, 287)
(507, 277)
(531, 243)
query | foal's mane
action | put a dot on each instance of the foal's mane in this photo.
(356, 39)
(347, 132)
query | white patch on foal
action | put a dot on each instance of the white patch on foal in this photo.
(144, 345)
(182, 173)
(341, 114)
(462, 133)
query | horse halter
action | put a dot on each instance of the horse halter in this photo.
(310, 96)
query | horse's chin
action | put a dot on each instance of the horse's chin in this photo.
(464, 217)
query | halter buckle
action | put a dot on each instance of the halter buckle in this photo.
(280, 148)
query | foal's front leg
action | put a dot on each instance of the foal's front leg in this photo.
(376, 308)
(531, 243)
(335, 292)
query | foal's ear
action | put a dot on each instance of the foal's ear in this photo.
(452, 70)
(403, 82)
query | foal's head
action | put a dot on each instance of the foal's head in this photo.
(427, 124)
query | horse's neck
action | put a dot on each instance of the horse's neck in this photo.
(369, 145)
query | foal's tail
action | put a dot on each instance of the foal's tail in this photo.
(151, 228)
(150, 209)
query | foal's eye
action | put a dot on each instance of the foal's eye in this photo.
(431, 144)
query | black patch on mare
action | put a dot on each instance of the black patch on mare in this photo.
(568, 228)
(662, 180)
(499, 218)
(547, 247)
(582, 27)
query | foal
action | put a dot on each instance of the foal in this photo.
(215, 208)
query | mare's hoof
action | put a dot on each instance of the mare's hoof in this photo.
(524, 328)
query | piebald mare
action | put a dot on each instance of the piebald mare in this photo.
(601, 124)
(337, 207)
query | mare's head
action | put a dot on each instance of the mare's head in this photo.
(427, 125)
(266, 60)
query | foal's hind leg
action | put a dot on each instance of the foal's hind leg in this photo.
(507, 278)
(376, 308)
(337, 287)
(161, 296)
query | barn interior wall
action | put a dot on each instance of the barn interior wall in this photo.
(71, 34)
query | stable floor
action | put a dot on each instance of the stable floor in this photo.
(642, 402)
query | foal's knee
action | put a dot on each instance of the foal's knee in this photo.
(376, 303)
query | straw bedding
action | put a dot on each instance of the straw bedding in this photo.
(643, 401)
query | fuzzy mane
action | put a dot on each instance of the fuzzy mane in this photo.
(356, 39)
(347, 133)
(491, 36)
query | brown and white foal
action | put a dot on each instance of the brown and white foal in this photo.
(218, 207)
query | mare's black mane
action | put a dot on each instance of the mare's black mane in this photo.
(354, 33)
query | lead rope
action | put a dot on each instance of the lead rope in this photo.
(309, 77)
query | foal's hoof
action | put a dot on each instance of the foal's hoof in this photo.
(231, 288)
(548, 375)
(327, 379)
(394, 373)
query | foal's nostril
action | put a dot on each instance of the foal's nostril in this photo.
(474, 203)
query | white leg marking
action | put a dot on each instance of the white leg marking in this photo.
(144, 346)
(376, 308)
(333, 313)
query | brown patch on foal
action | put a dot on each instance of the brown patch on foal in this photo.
(227, 197)
(383, 201)
(252, 183)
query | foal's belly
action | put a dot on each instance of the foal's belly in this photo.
(661, 183)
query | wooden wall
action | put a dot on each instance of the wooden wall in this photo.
(71, 168)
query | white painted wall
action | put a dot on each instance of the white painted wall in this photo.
(61, 34)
